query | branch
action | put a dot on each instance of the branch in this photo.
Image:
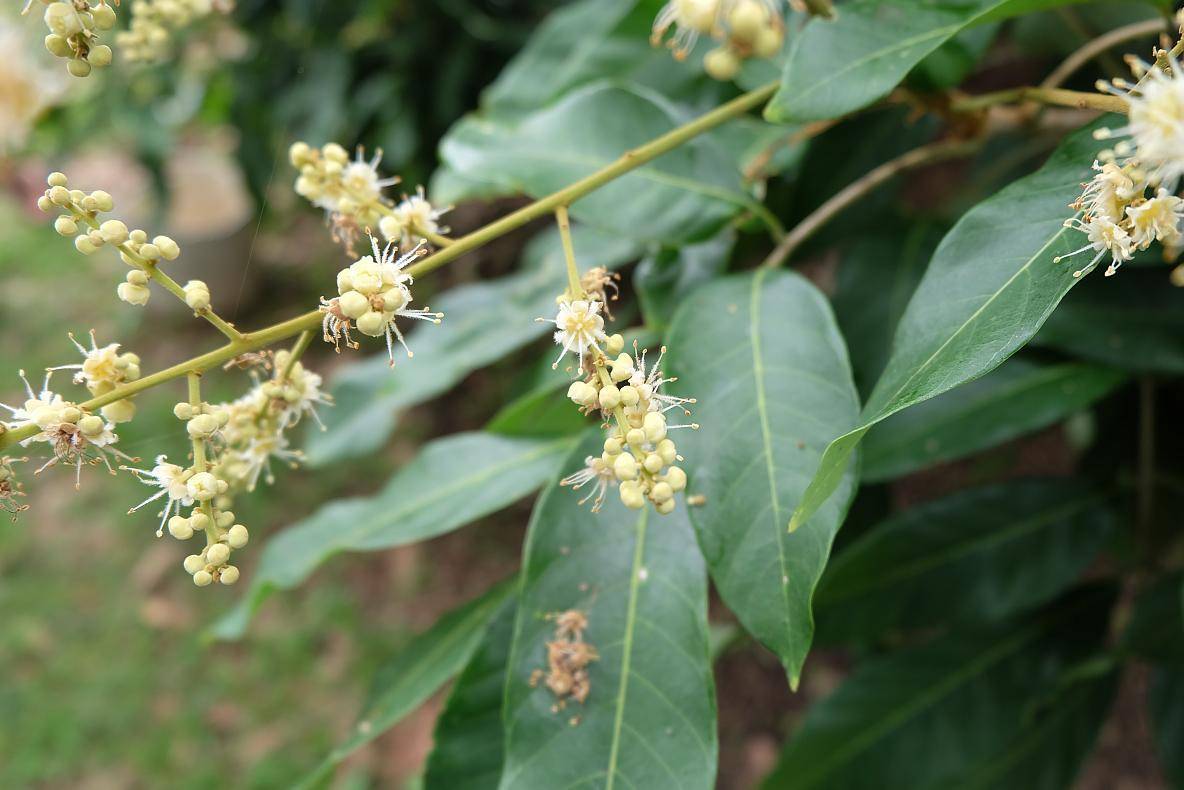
(1097, 46)
(253, 341)
(926, 154)
(1055, 96)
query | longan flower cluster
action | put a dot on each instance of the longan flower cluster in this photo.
(10, 487)
(79, 218)
(104, 369)
(1132, 201)
(372, 293)
(74, 27)
(743, 28)
(351, 194)
(638, 455)
(150, 34)
(75, 436)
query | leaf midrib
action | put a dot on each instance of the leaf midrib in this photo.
(627, 647)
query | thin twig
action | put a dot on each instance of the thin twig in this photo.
(926, 154)
(1101, 44)
(1056, 96)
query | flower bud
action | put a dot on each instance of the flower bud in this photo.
(654, 425)
(667, 451)
(91, 425)
(197, 294)
(229, 575)
(353, 304)
(203, 486)
(57, 179)
(217, 554)
(721, 64)
(104, 16)
(202, 426)
(183, 411)
(621, 368)
(394, 299)
(390, 228)
(199, 520)
(180, 528)
(372, 324)
(237, 537)
(677, 478)
(661, 492)
(103, 200)
(610, 397)
(635, 437)
(133, 294)
(65, 225)
(62, 19)
(625, 467)
(299, 154)
(631, 495)
(169, 249)
(768, 42)
(59, 195)
(84, 245)
(203, 578)
(665, 507)
(193, 563)
(653, 463)
(120, 411)
(614, 345)
(149, 251)
(113, 232)
(99, 56)
(612, 445)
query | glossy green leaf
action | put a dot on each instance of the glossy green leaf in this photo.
(1019, 397)
(878, 273)
(1053, 741)
(1132, 321)
(665, 278)
(837, 66)
(990, 286)
(469, 749)
(764, 357)
(1166, 698)
(649, 720)
(977, 555)
(452, 482)
(482, 322)
(935, 715)
(581, 43)
(544, 411)
(415, 673)
(685, 195)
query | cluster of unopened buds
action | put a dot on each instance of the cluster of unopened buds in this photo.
(74, 27)
(351, 194)
(372, 293)
(743, 28)
(638, 455)
(79, 218)
(1133, 201)
(150, 34)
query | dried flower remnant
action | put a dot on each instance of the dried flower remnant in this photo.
(10, 488)
(568, 658)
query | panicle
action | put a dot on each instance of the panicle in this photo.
(743, 29)
(74, 28)
(150, 35)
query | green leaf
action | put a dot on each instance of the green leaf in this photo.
(991, 285)
(469, 752)
(978, 555)
(581, 43)
(1019, 397)
(764, 357)
(649, 720)
(664, 278)
(1156, 628)
(1047, 751)
(452, 482)
(877, 275)
(482, 322)
(935, 715)
(1133, 321)
(837, 66)
(544, 411)
(418, 670)
(1167, 718)
(685, 195)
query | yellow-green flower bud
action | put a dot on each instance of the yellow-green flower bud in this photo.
(91, 425)
(183, 411)
(203, 486)
(103, 200)
(197, 294)
(57, 179)
(610, 397)
(228, 575)
(78, 67)
(193, 563)
(114, 232)
(99, 56)
(353, 305)
(57, 45)
(394, 299)
(237, 537)
(667, 451)
(59, 195)
(299, 154)
(372, 324)
(614, 345)
(132, 294)
(217, 554)
(653, 463)
(654, 425)
(721, 64)
(169, 249)
(631, 495)
(636, 436)
(84, 245)
(202, 426)
(665, 507)
(203, 578)
(768, 42)
(180, 528)
(149, 251)
(677, 478)
(65, 225)
(120, 411)
(104, 16)
(62, 19)
(625, 467)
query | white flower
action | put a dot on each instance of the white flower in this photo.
(1108, 193)
(1157, 219)
(171, 480)
(1155, 120)
(1104, 237)
(690, 19)
(580, 328)
(102, 369)
(595, 471)
(415, 218)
